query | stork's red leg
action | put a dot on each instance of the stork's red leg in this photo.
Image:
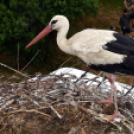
(112, 98)
(109, 101)
(116, 112)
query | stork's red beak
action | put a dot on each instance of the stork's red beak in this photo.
(43, 33)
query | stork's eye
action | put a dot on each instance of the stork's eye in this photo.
(53, 22)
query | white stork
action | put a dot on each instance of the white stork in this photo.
(102, 50)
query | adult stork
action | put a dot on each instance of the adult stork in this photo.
(103, 50)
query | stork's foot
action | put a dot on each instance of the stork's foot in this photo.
(109, 101)
(116, 114)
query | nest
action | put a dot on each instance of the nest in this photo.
(56, 104)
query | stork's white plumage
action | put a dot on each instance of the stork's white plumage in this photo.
(103, 50)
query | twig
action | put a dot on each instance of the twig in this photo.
(18, 57)
(128, 126)
(55, 111)
(7, 104)
(30, 61)
(6, 66)
(100, 116)
(27, 111)
(65, 62)
(73, 130)
(128, 113)
(83, 131)
(76, 64)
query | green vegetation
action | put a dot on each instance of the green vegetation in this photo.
(112, 5)
(21, 21)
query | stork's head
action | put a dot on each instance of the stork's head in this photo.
(58, 22)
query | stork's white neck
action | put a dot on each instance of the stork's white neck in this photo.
(62, 40)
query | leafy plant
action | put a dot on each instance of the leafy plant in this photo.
(21, 21)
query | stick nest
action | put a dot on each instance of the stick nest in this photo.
(55, 104)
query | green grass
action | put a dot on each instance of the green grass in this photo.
(112, 5)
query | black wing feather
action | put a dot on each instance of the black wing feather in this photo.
(123, 45)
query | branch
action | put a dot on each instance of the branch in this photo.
(6, 66)
(27, 111)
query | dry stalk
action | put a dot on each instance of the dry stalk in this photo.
(65, 62)
(100, 116)
(52, 92)
(30, 61)
(83, 131)
(129, 124)
(26, 111)
(92, 91)
(6, 66)
(7, 104)
(129, 127)
(73, 130)
(55, 111)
